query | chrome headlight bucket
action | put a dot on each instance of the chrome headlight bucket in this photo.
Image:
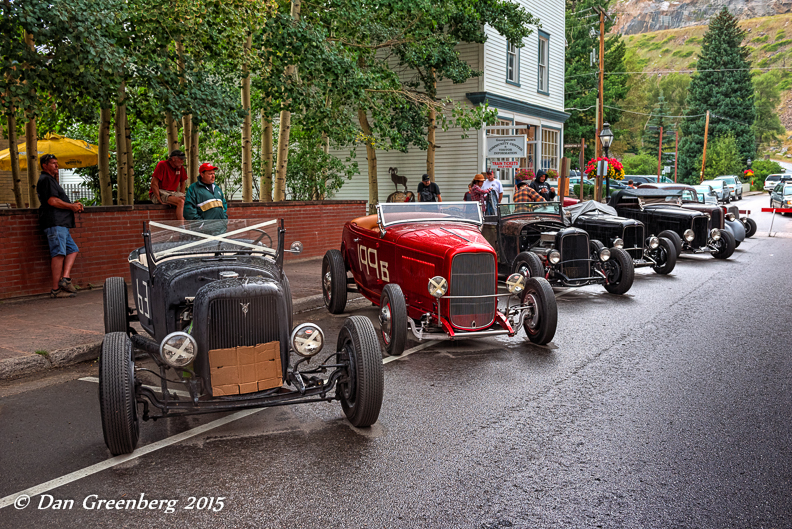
(604, 254)
(515, 283)
(438, 286)
(554, 257)
(653, 242)
(715, 234)
(307, 339)
(178, 349)
(618, 243)
(689, 235)
(730, 216)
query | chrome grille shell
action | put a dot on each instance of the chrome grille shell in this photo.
(575, 259)
(472, 274)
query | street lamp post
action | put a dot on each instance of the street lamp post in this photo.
(606, 138)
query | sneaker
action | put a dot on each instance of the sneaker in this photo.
(60, 293)
(66, 284)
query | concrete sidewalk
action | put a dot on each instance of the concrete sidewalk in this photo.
(41, 333)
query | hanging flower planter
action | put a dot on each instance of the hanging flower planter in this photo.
(615, 168)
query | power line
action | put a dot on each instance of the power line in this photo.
(660, 72)
(659, 115)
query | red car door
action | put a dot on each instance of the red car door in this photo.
(370, 260)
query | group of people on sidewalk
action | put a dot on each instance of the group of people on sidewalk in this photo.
(537, 190)
(203, 200)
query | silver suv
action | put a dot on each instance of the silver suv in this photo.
(774, 179)
(734, 184)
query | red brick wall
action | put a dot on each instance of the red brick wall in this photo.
(106, 236)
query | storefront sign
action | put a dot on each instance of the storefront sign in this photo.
(507, 146)
(503, 165)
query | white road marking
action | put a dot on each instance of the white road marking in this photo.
(410, 351)
(152, 388)
(113, 461)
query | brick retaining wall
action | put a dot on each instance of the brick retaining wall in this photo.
(106, 235)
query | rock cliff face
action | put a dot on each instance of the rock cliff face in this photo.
(641, 16)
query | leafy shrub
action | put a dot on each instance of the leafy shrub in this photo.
(759, 40)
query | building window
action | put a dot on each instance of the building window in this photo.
(512, 64)
(544, 59)
(550, 149)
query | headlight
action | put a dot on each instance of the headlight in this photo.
(730, 216)
(178, 349)
(554, 257)
(307, 339)
(618, 243)
(438, 286)
(604, 254)
(715, 234)
(515, 283)
(653, 242)
(689, 235)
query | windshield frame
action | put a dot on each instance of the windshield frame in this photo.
(381, 215)
(529, 211)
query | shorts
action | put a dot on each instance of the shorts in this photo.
(60, 241)
(164, 194)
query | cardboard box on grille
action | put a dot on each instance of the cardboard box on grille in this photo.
(248, 369)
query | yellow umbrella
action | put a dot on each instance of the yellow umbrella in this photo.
(70, 153)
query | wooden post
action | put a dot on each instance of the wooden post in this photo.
(105, 185)
(563, 179)
(676, 153)
(14, 154)
(704, 155)
(582, 164)
(601, 96)
(659, 154)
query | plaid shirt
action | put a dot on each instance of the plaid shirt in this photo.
(527, 194)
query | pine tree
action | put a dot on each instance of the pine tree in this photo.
(651, 138)
(723, 86)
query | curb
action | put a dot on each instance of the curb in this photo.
(34, 363)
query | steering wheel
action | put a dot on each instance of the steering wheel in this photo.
(263, 233)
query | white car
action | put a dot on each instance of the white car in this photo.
(772, 180)
(734, 184)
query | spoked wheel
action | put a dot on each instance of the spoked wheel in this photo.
(393, 319)
(120, 421)
(529, 264)
(620, 271)
(540, 327)
(116, 318)
(361, 394)
(750, 227)
(334, 286)
(674, 238)
(665, 256)
(725, 245)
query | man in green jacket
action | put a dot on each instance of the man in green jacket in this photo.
(204, 199)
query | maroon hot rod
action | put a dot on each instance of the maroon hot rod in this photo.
(430, 270)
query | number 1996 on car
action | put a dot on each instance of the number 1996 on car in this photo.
(368, 257)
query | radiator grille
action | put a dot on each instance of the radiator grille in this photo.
(229, 326)
(472, 274)
(634, 241)
(701, 229)
(575, 255)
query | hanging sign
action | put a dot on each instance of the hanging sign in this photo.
(504, 165)
(507, 146)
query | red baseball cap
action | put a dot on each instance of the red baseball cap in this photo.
(206, 167)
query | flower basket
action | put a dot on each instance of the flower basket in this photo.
(552, 173)
(524, 174)
(615, 168)
(748, 173)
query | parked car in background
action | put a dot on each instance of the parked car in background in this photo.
(216, 310)
(706, 195)
(734, 184)
(772, 180)
(781, 196)
(432, 272)
(646, 179)
(721, 189)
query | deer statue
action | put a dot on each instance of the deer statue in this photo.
(398, 179)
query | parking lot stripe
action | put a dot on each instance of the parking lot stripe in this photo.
(113, 461)
(410, 351)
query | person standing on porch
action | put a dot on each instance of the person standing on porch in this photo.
(493, 185)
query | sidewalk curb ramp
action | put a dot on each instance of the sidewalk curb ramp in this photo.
(35, 363)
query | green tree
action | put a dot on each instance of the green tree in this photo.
(659, 118)
(639, 164)
(767, 98)
(723, 157)
(763, 168)
(582, 79)
(721, 85)
(631, 124)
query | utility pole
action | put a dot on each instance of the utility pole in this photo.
(582, 164)
(659, 154)
(676, 153)
(600, 98)
(704, 156)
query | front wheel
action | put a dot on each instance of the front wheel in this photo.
(393, 319)
(361, 393)
(529, 264)
(334, 284)
(674, 238)
(725, 246)
(117, 404)
(114, 297)
(619, 271)
(540, 328)
(665, 257)
(750, 227)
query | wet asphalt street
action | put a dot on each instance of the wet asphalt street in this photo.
(668, 407)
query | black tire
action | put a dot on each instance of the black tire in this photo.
(117, 403)
(750, 227)
(116, 317)
(529, 263)
(595, 246)
(542, 327)
(665, 256)
(674, 238)
(334, 282)
(361, 394)
(393, 319)
(726, 245)
(619, 279)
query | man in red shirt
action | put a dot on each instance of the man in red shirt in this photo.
(169, 183)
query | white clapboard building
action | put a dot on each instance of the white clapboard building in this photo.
(525, 85)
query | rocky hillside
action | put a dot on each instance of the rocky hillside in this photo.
(641, 16)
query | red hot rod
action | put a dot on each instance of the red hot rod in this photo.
(430, 270)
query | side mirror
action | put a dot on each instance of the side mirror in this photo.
(296, 247)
